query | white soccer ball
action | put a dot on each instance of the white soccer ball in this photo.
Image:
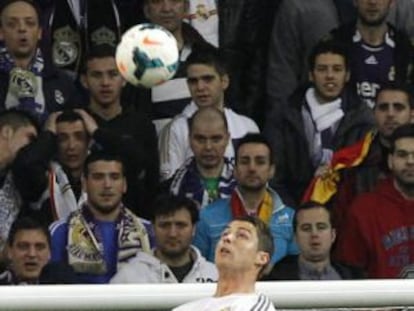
(147, 55)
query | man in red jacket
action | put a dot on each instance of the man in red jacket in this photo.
(379, 230)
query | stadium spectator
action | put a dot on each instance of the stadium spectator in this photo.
(28, 251)
(49, 169)
(174, 259)
(103, 234)
(241, 30)
(17, 129)
(164, 101)
(254, 168)
(394, 107)
(298, 26)
(315, 234)
(123, 130)
(208, 175)
(207, 79)
(379, 53)
(319, 119)
(29, 80)
(376, 234)
(242, 254)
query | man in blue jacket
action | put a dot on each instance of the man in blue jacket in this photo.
(252, 196)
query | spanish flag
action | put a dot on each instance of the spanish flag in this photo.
(322, 188)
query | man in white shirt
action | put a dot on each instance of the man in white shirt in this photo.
(242, 254)
(207, 79)
(174, 260)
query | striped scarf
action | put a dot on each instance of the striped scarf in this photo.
(188, 182)
(85, 248)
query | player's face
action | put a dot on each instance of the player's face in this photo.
(105, 185)
(372, 12)
(314, 234)
(73, 142)
(167, 13)
(253, 168)
(391, 110)
(401, 162)
(103, 81)
(206, 85)
(237, 249)
(20, 29)
(29, 253)
(208, 141)
(329, 76)
(174, 233)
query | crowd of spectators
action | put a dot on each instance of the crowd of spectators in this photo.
(297, 113)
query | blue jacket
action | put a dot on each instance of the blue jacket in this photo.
(215, 217)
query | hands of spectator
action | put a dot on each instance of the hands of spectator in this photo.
(50, 124)
(323, 170)
(88, 120)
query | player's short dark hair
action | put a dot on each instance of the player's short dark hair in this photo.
(209, 56)
(17, 119)
(97, 51)
(398, 86)
(100, 155)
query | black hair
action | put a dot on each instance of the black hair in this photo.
(27, 223)
(209, 56)
(398, 86)
(97, 51)
(403, 131)
(17, 119)
(100, 155)
(168, 204)
(309, 205)
(69, 115)
(255, 138)
(328, 46)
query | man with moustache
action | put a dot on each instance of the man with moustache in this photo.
(252, 196)
(377, 231)
(103, 234)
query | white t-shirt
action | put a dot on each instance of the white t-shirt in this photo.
(234, 302)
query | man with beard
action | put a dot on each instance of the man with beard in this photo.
(315, 234)
(208, 175)
(377, 234)
(254, 167)
(174, 259)
(103, 234)
(121, 128)
(379, 52)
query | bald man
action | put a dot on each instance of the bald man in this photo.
(208, 175)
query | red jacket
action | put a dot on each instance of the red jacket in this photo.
(378, 235)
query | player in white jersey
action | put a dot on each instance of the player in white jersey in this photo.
(242, 254)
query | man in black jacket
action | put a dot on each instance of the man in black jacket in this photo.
(315, 234)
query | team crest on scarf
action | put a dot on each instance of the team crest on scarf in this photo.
(65, 47)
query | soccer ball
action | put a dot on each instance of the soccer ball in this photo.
(147, 55)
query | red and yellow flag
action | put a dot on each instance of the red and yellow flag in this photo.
(322, 188)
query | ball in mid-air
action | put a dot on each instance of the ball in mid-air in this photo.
(147, 55)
